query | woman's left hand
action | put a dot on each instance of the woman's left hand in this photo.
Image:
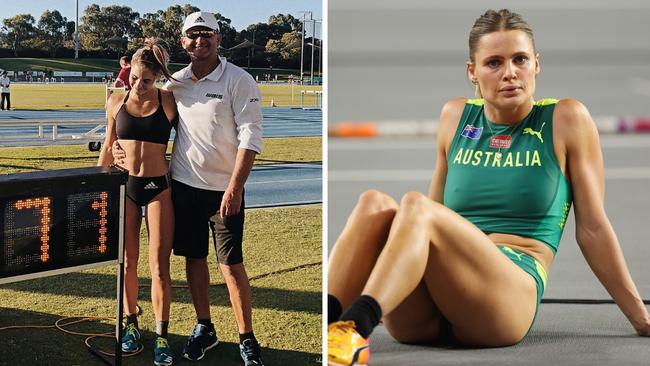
(643, 329)
(644, 332)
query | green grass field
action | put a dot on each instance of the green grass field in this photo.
(286, 301)
(83, 96)
(20, 159)
(286, 288)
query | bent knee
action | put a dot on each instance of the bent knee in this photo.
(375, 201)
(417, 200)
(418, 206)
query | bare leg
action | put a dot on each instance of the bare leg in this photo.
(198, 279)
(239, 290)
(132, 248)
(357, 249)
(415, 320)
(160, 225)
(487, 298)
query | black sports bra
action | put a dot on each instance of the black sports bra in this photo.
(152, 128)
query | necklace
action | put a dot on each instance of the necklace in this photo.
(500, 141)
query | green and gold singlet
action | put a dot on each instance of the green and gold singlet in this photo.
(507, 180)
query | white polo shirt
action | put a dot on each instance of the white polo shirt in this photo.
(218, 115)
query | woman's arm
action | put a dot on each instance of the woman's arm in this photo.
(594, 233)
(105, 154)
(169, 106)
(449, 118)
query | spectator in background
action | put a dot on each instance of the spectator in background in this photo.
(123, 76)
(4, 83)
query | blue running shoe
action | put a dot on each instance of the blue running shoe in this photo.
(250, 352)
(162, 353)
(201, 340)
(131, 339)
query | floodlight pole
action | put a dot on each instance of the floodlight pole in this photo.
(302, 42)
(313, 45)
(320, 53)
(76, 34)
(313, 35)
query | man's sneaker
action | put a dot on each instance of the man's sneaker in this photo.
(162, 354)
(345, 346)
(131, 339)
(250, 351)
(200, 341)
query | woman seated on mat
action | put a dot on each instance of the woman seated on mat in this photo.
(469, 262)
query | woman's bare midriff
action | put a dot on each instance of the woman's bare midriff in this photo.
(535, 248)
(144, 159)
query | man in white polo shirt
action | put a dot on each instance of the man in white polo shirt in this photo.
(217, 137)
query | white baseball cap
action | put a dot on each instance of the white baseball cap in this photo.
(201, 19)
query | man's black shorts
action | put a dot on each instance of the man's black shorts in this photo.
(193, 208)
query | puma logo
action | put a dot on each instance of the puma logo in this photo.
(530, 131)
(509, 250)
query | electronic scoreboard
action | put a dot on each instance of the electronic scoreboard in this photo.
(59, 221)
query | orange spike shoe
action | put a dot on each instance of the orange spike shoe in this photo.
(345, 346)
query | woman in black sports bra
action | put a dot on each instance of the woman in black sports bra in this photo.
(142, 120)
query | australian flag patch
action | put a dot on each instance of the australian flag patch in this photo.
(472, 132)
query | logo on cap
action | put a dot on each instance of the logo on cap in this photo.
(199, 20)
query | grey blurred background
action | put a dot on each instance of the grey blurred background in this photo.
(402, 60)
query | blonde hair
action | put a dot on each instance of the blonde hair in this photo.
(493, 21)
(154, 57)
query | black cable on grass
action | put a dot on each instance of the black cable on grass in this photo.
(59, 325)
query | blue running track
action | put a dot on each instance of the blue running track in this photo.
(284, 185)
(268, 185)
(278, 122)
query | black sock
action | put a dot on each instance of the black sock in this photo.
(132, 318)
(245, 336)
(161, 328)
(366, 313)
(333, 309)
(207, 322)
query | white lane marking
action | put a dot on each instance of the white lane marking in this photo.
(380, 144)
(425, 174)
(351, 144)
(640, 85)
(627, 173)
(379, 175)
(296, 165)
(284, 181)
(625, 141)
(282, 204)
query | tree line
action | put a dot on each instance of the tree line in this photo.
(112, 31)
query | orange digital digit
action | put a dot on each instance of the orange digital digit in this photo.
(44, 204)
(101, 207)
